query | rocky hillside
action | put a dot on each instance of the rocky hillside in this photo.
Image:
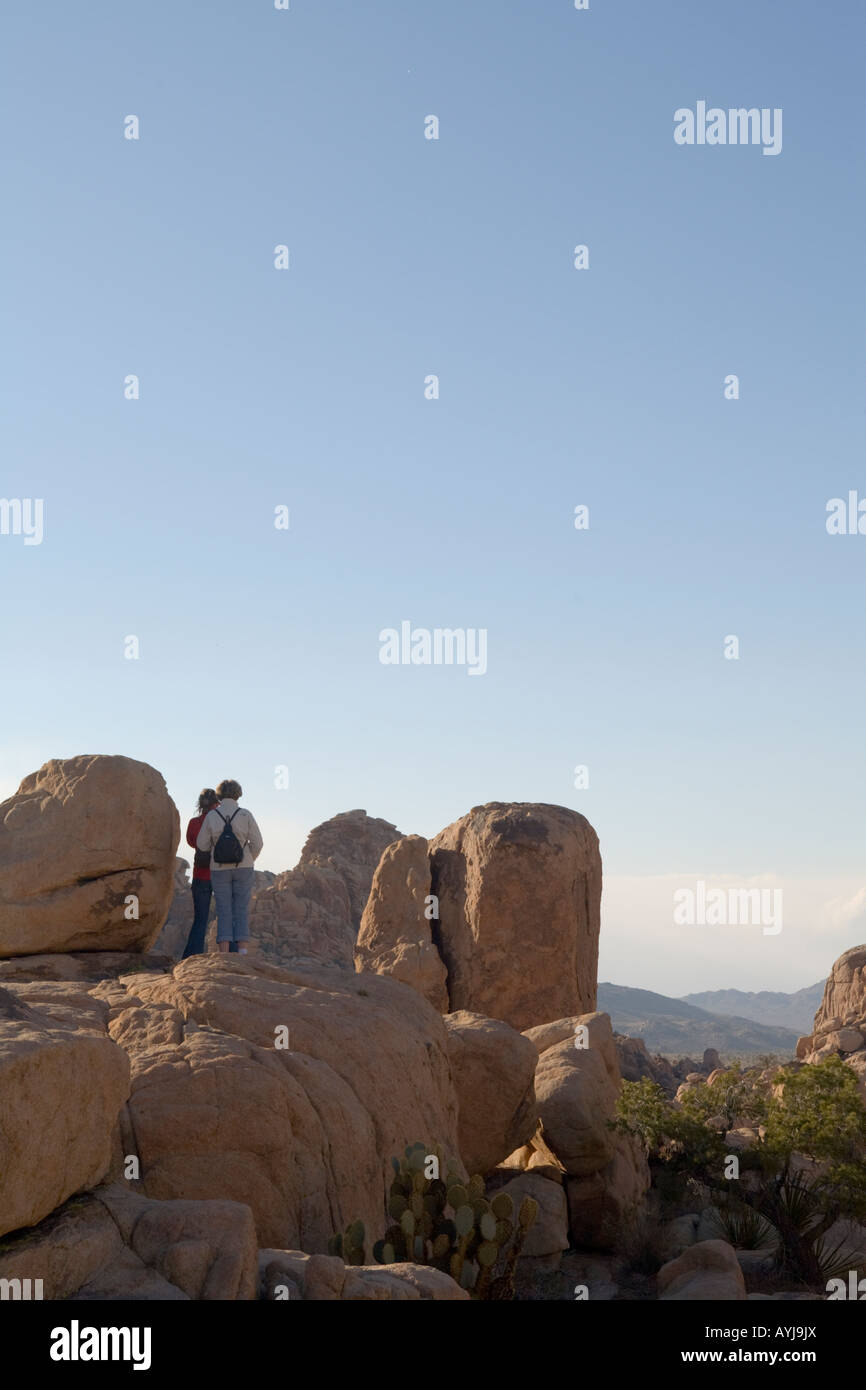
(674, 1027)
(767, 1007)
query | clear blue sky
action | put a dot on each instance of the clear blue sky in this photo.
(558, 387)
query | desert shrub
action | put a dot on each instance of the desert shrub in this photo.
(736, 1095)
(814, 1112)
(642, 1245)
(744, 1227)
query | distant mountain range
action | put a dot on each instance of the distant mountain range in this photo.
(774, 1010)
(676, 1027)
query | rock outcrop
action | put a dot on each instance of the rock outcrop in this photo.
(351, 845)
(182, 1116)
(548, 1234)
(87, 850)
(512, 884)
(175, 929)
(605, 1174)
(309, 915)
(844, 992)
(706, 1272)
(115, 1245)
(62, 1085)
(303, 919)
(289, 1091)
(90, 967)
(397, 926)
(840, 1023)
(292, 1274)
(635, 1063)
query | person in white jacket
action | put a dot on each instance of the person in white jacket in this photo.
(232, 882)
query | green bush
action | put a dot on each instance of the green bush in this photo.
(815, 1112)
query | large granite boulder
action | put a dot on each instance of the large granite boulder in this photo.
(62, 1085)
(519, 890)
(548, 1234)
(577, 1090)
(577, 1083)
(706, 1272)
(635, 1063)
(116, 1245)
(87, 857)
(493, 1067)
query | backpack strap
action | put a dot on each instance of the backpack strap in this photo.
(222, 817)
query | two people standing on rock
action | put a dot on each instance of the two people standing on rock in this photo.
(227, 842)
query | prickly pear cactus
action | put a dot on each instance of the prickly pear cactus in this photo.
(448, 1223)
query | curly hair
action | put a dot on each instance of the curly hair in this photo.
(207, 799)
(229, 789)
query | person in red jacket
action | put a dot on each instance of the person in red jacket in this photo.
(201, 884)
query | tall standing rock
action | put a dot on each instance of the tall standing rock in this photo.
(519, 896)
(499, 915)
(87, 850)
(397, 928)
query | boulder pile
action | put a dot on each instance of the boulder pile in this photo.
(202, 1129)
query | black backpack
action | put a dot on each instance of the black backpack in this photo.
(228, 848)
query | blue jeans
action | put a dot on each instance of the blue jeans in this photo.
(201, 894)
(232, 890)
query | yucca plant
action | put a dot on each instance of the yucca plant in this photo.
(744, 1227)
(798, 1209)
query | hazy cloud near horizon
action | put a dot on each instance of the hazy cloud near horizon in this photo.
(641, 946)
